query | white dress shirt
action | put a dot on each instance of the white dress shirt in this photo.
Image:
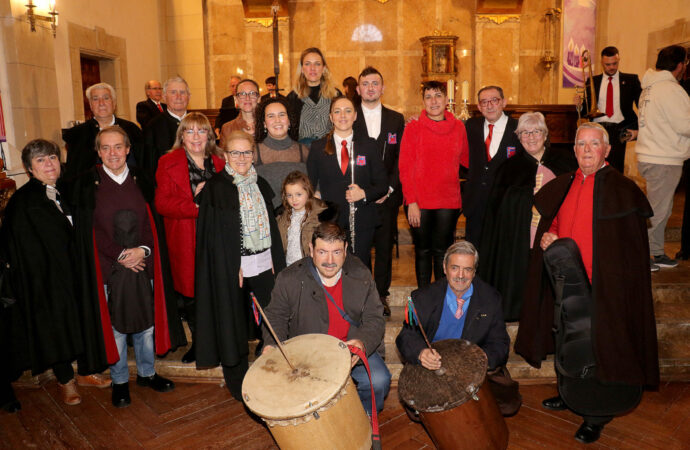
(617, 116)
(372, 117)
(497, 136)
(338, 145)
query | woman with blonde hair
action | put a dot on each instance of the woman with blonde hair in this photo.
(182, 174)
(311, 98)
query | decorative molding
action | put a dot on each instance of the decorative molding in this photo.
(264, 21)
(441, 33)
(498, 19)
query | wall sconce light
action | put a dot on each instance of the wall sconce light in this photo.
(51, 18)
(551, 17)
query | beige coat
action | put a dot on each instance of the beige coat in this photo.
(307, 228)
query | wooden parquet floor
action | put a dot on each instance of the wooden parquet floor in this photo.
(205, 416)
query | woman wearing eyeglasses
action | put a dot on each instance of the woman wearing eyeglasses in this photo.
(247, 98)
(181, 175)
(239, 251)
(511, 221)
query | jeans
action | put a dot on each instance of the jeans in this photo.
(380, 377)
(143, 352)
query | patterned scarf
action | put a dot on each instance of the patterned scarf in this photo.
(256, 229)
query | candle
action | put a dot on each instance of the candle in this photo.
(465, 90)
(450, 87)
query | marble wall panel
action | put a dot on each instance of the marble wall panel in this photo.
(378, 26)
(226, 28)
(409, 93)
(305, 25)
(342, 67)
(497, 53)
(535, 82)
(416, 22)
(341, 19)
(223, 69)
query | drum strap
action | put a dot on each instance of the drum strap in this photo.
(375, 436)
(342, 313)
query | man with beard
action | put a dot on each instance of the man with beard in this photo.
(459, 306)
(332, 292)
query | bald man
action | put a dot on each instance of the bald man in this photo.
(152, 106)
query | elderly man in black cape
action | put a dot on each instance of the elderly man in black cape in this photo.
(98, 195)
(605, 214)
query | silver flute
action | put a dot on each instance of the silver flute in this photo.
(352, 204)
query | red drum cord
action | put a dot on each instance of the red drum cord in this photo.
(375, 436)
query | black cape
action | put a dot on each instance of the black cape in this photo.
(168, 333)
(504, 246)
(43, 327)
(221, 312)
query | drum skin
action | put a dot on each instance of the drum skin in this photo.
(456, 408)
(315, 406)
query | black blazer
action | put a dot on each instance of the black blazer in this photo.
(480, 174)
(80, 142)
(387, 145)
(484, 323)
(325, 175)
(147, 110)
(630, 91)
(159, 137)
(227, 112)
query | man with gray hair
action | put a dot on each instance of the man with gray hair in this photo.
(459, 306)
(160, 133)
(80, 139)
(150, 108)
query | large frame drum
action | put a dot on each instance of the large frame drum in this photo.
(316, 406)
(456, 407)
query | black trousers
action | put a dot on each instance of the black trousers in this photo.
(234, 375)
(685, 229)
(63, 372)
(364, 238)
(617, 154)
(261, 285)
(436, 232)
(383, 245)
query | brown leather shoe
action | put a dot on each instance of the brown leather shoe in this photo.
(69, 393)
(94, 380)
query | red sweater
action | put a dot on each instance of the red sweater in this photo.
(337, 326)
(574, 219)
(431, 154)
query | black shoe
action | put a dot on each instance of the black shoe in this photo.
(259, 348)
(156, 382)
(554, 404)
(121, 395)
(190, 356)
(588, 433)
(683, 256)
(386, 307)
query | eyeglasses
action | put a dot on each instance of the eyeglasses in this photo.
(191, 132)
(535, 133)
(494, 101)
(235, 154)
(250, 94)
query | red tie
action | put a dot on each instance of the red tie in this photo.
(344, 157)
(461, 302)
(160, 108)
(609, 98)
(488, 142)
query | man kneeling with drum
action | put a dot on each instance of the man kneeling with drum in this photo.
(332, 292)
(460, 306)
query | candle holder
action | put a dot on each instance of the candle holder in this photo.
(464, 111)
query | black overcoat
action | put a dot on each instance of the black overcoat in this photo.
(43, 327)
(159, 137)
(504, 246)
(221, 310)
(623, 324)
(168, 331)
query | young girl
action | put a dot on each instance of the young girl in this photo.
(300, 217)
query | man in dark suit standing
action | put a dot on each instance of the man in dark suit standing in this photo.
(271, 89)
(615, 97)
(228, 108)
(159, 135)
(492, 140)
(460, 306)
(152, 106)
(385, 126)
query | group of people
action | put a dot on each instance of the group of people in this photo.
(283, 199)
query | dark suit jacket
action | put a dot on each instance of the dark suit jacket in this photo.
(147, 110)
(266, 96)
(630, 91)
(227, 112)
(80, 141)
(484, 323)
(159, 137)
(325, 173)
(387, 145)
(480, 175)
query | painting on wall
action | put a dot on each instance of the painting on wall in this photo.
(579, 21)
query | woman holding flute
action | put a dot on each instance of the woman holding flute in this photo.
(347, 171)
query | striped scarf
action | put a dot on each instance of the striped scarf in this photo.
(256, 228)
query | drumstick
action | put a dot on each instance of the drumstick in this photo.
(415, 318)
(273, 333)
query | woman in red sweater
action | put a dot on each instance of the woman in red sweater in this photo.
(433, 149)
(181, 175)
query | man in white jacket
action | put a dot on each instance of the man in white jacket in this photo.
(663, 141)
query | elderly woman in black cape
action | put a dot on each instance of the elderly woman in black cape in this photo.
(511, 221)
(238, 252)
(41, 324)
